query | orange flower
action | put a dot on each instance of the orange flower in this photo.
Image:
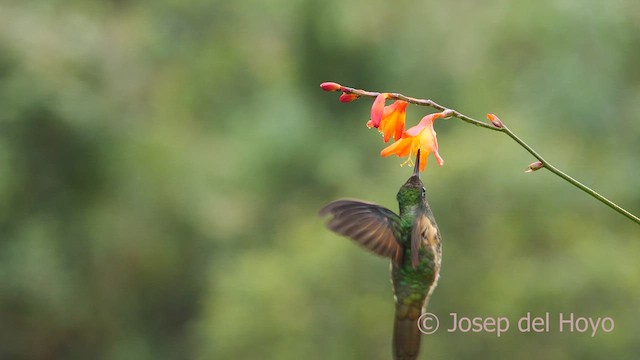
(421, 136)
(388, 119)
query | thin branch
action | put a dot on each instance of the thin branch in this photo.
(501, 128)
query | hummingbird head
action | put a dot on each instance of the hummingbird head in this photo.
(412, 193)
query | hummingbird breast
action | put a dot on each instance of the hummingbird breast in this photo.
(413, 281)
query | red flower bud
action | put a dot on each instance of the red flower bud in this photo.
(534, 166)
(330, 86)
(495, 121)
(345, 98)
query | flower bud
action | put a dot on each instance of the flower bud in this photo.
(345, 97)
(330, 86)
(495, 121)
(534, 166)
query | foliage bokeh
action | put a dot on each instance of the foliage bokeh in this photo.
(162, 164)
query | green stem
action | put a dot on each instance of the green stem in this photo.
(569, 179)
(503, 129)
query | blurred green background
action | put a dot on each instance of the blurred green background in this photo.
(162, 164)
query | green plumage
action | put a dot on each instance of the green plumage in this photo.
(413, 243)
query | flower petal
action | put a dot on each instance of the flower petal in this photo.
(401, 147)
(438, 157)
(393, 120)
(421, 137)
(424, 157)
(377, 109)
(399, 117)
(426, 121)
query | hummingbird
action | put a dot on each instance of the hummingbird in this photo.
(411, 240)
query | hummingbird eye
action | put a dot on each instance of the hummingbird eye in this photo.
(424, 191)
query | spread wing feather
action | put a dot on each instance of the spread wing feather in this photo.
(370, 225)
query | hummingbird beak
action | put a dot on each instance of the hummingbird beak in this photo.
(416, 170)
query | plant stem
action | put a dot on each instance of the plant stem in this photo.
(569, 179)
(503, 129)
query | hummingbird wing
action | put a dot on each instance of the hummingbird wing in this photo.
(370, 225)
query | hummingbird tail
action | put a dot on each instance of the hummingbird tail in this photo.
(406, 335)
